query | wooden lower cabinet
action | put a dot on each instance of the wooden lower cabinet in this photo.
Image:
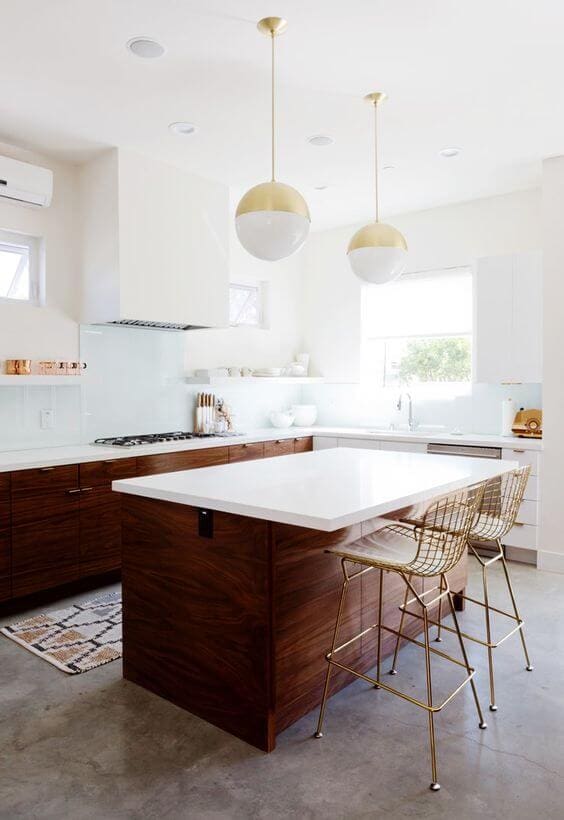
(246, 452)
(5, 565)
(45, 553)
(303, 444)
(279, 447)
(186, 460)
(100, 531)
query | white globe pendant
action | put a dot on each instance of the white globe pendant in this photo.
(377, 253)
(272, 221)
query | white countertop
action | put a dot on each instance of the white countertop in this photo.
(323, 489)
(52, 456)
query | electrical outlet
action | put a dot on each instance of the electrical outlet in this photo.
(47, 419)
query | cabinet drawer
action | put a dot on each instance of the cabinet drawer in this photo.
(45, 555)
(325, 442)
(303, 444)
(46, 478)
(404, 446)
(96, 473)
(523, 457)
(522, 535)
(246, 452)
(5, 501)
(532, 489)
(280, 447)
(100, 531)
(5, 565)
(528, 513)
(30, 506)
(187, 460)
(360, 443)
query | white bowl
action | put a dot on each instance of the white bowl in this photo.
(304, 414)
(280, 418)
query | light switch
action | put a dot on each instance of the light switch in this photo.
(47, 419)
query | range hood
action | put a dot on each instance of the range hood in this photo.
(155, 245)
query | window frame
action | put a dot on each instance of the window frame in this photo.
(369, 337)
(252, 287)
(33, 244)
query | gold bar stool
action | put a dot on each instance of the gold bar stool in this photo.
(496, 516)
(428, 550)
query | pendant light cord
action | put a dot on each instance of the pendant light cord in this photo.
(376, 158)
(272, 104)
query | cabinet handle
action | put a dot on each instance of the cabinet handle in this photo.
(46, 469)
(72, 492)
(85, 489)
(245, 445)
(278, 441)
(518, 451)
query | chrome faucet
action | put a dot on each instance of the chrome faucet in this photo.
(410, 425)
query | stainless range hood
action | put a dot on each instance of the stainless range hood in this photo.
(155, 245)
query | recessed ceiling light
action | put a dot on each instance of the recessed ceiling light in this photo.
(320, 139)
(320, 187)
(145, 47)
(185, 129)
(451, 151)
(389, 168)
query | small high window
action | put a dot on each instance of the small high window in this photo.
(19, 267)
(245, 305)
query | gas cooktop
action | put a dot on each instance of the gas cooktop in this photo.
(156, 438)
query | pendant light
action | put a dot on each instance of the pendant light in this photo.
(272, 219)
(377, 252)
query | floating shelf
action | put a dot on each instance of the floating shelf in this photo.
(227, 380)
(43, 381)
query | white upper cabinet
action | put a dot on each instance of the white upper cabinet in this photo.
(155, 242)
(507, 340)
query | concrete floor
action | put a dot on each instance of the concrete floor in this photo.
(95, 746)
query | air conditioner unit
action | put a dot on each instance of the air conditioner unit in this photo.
(24, 183)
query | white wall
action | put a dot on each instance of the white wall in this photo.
(551, 552)
(51, 331)
(451, 236)
(273, 346)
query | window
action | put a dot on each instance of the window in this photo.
(418, 330)
(19, 267)
(245, 305)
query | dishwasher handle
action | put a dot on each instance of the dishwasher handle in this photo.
(468, 450)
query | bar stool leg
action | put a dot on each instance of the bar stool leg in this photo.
(493, 706)
(529, 666)
(318, 732)
(435, 785)
(393, 670)
(481, 722)
(379, 639)
(438, 636)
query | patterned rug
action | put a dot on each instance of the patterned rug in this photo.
(75, 639)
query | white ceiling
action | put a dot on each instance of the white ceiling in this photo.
(485, 75)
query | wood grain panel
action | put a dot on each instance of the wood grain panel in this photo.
(185, 460)
(5, 500)
(100, 531)
(303, 444)
(45, 555)
(96, 473)
(280, 447)
(197, 619)
(46, 479)
(5, 565)
(29, 506)
(246, 452)
(307, 587)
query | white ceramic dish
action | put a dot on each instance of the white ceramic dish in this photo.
(281, 418)
(305, 415)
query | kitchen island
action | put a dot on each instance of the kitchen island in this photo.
(229, 598)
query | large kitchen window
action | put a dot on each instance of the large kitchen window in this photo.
(418, 330)
(19, 267)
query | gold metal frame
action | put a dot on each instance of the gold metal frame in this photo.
(431, 707)
(497, 514)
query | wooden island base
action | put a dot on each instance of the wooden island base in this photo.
(233, 624)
